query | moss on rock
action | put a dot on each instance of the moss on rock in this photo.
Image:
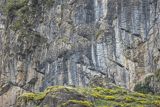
(33, 96)
(82, 103)
(13, 5)
(157, 75)
(113, 97)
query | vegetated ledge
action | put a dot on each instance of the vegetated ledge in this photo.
(65, 96)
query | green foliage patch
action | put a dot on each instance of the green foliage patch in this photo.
(103, 97)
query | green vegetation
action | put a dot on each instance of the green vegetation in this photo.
(82, 103)
(24, 13)
(149, 84)
(103, 97)
(17, 4)
(12, 5)
(144, 87)
(33, 96)
(157, 75)
(41, 95)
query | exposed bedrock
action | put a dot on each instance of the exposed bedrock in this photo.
(69, 42)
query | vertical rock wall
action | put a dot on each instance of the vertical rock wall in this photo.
(69, 42)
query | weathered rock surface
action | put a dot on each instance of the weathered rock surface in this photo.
(69, 42)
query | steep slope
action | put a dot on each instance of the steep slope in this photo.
(70, 42)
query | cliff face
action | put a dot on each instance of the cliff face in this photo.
(70, 42)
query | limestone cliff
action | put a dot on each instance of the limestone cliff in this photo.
(71, 42)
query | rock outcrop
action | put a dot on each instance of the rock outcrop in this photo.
(70, 42)
(59, 96)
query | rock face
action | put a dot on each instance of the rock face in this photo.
(69, 42)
